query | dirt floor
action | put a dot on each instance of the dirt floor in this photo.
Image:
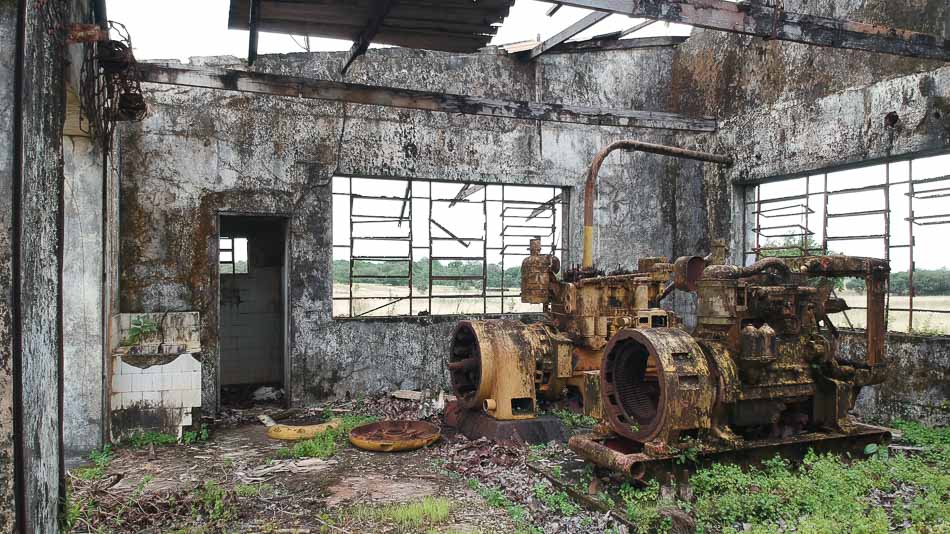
(237, 479)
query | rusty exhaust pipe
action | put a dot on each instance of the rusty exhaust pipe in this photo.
(639, 146)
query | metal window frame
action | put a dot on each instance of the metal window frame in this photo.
(758, 207)
(553, 230)
(233, 262)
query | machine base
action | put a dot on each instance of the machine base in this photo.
(541, 429)
(626, 457)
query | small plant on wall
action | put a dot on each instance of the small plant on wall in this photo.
(140, 328)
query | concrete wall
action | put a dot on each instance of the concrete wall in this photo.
(83, 340)
(8, 49)
(918, 381)
(203, 152)
(32, 110)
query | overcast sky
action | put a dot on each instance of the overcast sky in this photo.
(179, 29)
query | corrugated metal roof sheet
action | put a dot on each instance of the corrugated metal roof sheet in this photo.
(449, 25)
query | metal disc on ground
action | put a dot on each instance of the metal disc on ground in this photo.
(393, 436)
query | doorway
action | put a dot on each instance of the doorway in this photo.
(252, 309)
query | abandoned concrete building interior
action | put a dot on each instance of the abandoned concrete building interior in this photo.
(687, 275)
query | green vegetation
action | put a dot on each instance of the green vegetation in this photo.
(495, 498)
(100, 459)
(558, 501)
(574, 420)
(325, 444)
(825, 493)
(191, 437)
(927, 283)
(429, 511)
(140, 327)
(212, 503)
(538, 451)
(253, 490)
(146, 438)
(642, 507)
(420, 273)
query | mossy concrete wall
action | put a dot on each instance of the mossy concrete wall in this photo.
(205, 152)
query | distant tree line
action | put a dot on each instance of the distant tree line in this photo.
(927, 282)
(420, 273)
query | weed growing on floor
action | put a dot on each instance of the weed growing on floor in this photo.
(538, 451)
(496, 499)
(327, 443)
(253, 490)
(429, 511)
(574, 420)
(558, 501)
(877, 493)
(212, 503)
(145, 438)
(642, 507)
(100, 459)
(191, 437)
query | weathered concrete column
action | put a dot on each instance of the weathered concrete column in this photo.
(32, 107)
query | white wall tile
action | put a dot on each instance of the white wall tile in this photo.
(122, 383)
(142, 383)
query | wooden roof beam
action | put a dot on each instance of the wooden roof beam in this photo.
(572, 30)
(773, 22)
(292, 86)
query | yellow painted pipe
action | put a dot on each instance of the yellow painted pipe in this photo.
(588, 247)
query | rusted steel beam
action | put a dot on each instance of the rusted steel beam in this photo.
(773, 22)
(254, 18)
(565, 34)
(361, 44)
(281, 85)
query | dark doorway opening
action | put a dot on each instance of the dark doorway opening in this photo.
(252, 309)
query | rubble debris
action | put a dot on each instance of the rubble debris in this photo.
(265, 472)
(267, 393)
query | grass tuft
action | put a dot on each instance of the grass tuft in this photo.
(429, 511)
(325, 444)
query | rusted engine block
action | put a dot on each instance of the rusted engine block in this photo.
(504, 366)
(761, 365)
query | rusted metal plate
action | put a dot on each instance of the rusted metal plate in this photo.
(394, 436)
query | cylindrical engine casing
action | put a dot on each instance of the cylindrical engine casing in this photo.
(656, 383)
(493, 363)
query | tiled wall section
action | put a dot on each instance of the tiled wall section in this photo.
(162, 389)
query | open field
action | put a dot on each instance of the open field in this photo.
(924, 323)
(382, 297)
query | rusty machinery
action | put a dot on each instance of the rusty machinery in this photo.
(761, 371)
(502, 367)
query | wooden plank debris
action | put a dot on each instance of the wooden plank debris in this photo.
(565, 34)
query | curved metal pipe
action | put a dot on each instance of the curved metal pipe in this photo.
(731, 272)
(639, 146)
